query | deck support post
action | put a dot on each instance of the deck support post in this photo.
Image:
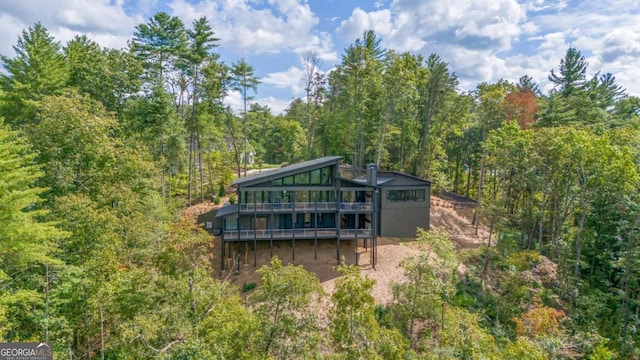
(222, 254)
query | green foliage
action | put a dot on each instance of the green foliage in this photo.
(355, 332)
(246, 287)
(460, 336)
(158, 43)
(523, 260)
(422, 298)
(74, 138)
(38, 70)
(524, 349)
(108, 75)
(27, 242)
(286, 305)
(108, 153)
(601, 352)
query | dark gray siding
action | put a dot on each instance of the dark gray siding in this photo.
(402, 218)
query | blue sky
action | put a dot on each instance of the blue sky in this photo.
(483, 40)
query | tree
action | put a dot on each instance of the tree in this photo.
(605, 91)
(312, 84)
(439, 84)
(423, 297)
(74, 139)
(158, 44)
(27, 243)
(38, 70)
(243, 80)
(399, 130)
(525, 83)
(572, 72)
(108, 75)
(202, 42)
(355, 100)
(284, 304)
(521, 106)
(490, 115)
(354, 328)
(152, 121)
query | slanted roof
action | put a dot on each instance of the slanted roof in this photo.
(227, 210)
(287, 170)
(394, 178)
(355, 182)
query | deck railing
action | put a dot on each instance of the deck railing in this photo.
(307, 233)
(306, 206)
(358, 206)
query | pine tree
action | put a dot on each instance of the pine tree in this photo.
(27, 244)
(37, 70)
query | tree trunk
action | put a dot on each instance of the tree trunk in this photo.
(190, 187)
(541, 222)
(576, 272)
(101, 334)
(423, 144)
(476, 221)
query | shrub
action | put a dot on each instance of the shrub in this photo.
(248, 286)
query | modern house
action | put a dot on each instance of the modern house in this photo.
(311, 201)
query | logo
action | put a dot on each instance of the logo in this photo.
(26, 351)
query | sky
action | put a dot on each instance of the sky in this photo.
(482, 40)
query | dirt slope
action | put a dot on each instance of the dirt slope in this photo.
(323, 259)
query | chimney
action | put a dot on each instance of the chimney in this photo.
(372, 174)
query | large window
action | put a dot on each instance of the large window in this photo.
(405, 195)
(314, 177)
(250, 197)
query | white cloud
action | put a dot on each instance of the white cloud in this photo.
(277, 105)
(11, 30)
(248, 28)
(360, 20)
(290, 79)
(409, 25)
(103, 21)
(323, 45)
(234, 101)
(97, 16)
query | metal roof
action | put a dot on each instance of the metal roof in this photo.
(287, 170)
(227, 210)
(356, 182)
(387, 178)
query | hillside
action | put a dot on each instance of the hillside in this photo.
(391, 251)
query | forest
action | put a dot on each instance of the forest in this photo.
(101, 150)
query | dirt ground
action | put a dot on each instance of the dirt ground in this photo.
(324, 259)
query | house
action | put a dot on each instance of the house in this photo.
(311, 201)
(403, 203)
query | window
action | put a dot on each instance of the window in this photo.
(302, 179)
(405, 195)
(325, 177)
(315, 177)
